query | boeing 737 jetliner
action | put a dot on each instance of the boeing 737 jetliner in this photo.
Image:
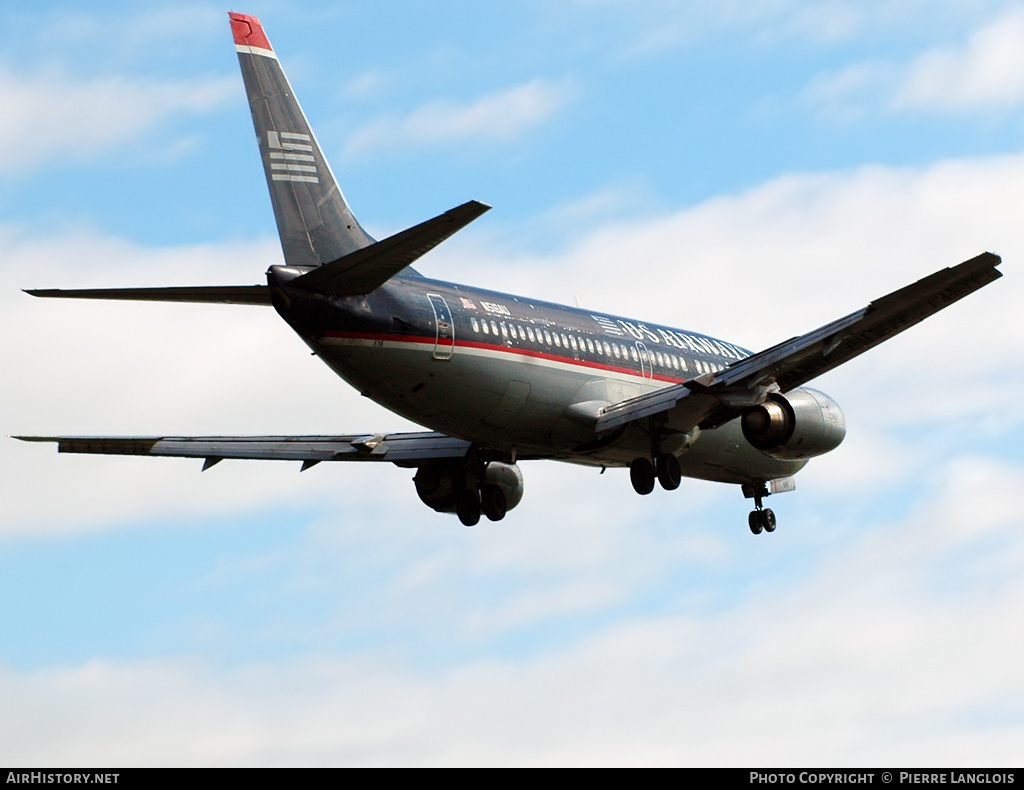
(498, 379)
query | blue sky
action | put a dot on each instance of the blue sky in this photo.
(751, 170)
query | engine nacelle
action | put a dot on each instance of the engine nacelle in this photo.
(801, 424)
(438, 485)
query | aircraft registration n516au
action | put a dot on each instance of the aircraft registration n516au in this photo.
(500, 379)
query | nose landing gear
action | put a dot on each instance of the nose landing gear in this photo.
(760, 518)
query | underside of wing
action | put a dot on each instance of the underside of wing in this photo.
(398, 448)
(714, 398)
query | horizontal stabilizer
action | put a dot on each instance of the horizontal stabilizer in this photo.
(369, 268)
(221, 294)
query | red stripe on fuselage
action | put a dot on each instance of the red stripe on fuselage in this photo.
(523, 352)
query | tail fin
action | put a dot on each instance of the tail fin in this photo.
(313, 219)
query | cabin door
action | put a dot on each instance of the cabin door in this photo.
(444, 341)
(646, 368)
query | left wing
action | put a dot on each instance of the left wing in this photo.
(714, 398)
(403, 449)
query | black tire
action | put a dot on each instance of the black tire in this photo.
(492, 500)
(467, 507)
(669, 473)
(768, 520)
(754, 522)
(641, 475)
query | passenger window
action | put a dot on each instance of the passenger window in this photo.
(475, 324)
(547, 337)
(504, 330)
(618, 354)
(486, 330)
(572, 342)
(590, 345)
(494, 328)
(529, 331)
(633, 353)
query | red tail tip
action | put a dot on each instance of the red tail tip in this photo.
(248, 31)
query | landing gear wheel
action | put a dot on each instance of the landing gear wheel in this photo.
(754, 522)
(767, 520)
(669, 474)
(467, 507)
(641, 475)
(492, 499)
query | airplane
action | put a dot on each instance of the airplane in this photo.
(499, 379)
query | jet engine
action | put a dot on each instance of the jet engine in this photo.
(801, 424)
(439, 485)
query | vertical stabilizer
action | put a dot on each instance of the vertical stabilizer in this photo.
(313, 219)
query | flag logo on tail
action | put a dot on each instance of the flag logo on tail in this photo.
(291, 157)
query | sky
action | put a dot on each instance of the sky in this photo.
(750, 170)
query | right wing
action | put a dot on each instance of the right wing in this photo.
(403, 449)
(714, 398)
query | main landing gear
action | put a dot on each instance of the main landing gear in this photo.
(665, 469)
(490, 500)
(761, 518)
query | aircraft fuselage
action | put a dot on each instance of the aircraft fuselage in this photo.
(517, 374)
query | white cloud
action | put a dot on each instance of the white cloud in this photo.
(861, 657)
(497, 117)
(55, 117)
(987, 71)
